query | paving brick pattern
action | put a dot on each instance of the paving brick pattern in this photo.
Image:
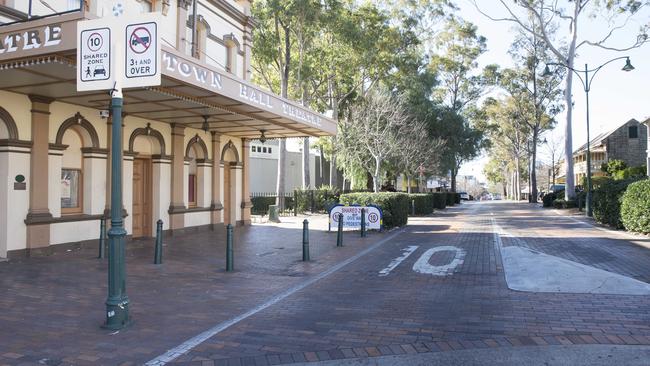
(355, 313)
(52, 306)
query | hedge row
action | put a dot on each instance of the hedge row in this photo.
(423, 203)
(316, 200)
(635, 207)
(261, 204)
(439, 200)
(607, 202)
(395, 206)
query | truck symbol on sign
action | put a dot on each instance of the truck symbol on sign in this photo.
(140, 40)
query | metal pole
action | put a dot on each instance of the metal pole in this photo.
(117, 303)
(157, 258)
(363, 222)
(229, 256)
(102, 238)
(412, 209)
(305, 240)
(339, 233)
(29, 10)
(589, 209)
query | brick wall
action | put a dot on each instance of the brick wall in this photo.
(631, 150)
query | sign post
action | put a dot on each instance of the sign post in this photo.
(102, 43)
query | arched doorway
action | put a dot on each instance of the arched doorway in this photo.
(147, 146)
(231, 172)
(13, 203)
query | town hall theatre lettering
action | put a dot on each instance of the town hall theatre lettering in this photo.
(191, 71)
(47, 36)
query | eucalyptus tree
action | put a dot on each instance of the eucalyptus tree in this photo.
(570, 15)
(458, 48)
(535, 96)
(374, 132)
(505, 123)
(274, 41)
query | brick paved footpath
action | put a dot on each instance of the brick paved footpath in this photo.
(353, 312)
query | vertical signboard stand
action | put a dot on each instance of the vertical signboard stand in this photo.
(100, 65)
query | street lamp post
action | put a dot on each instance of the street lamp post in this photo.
(586, 83)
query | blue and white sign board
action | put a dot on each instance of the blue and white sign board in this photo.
(122, 52)
(352, 217)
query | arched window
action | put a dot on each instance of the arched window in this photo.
(72, 173)
(232, 49)
(192, 188)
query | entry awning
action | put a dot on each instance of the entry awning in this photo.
(190, 90)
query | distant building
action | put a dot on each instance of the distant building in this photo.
(264, 168)
(628, 142)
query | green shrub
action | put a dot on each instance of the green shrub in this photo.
(607, 202)
(581, 199)
(321, 199)
(451, 198)
(439, 200)
(631, 172)
(562, 204)
(635, 207)
(261, 205)
(547, 200)
(423, 203)
(457, 198)
(395, 206)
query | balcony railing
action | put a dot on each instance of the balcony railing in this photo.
(28, 10)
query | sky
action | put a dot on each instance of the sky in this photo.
(616, 96)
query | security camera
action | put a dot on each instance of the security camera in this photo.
(104, 113)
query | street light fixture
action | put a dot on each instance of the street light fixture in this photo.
(586, 83)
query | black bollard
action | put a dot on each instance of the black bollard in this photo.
(229, 256)
(339, 234)
(305, 240)
(102, 238)
(157, 256)
(363, 222)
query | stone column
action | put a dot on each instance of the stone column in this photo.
(217, 205)
(246, 195)
(177, 206)
(181, 25)
(38, 215)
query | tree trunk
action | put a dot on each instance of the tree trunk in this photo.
(333, 174)
(375, 176)
(282, 148)
(517, 179)
(306, 179)
(453, 179)
(321, 165)
(533, 170)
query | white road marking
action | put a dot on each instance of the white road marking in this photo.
(423, 266)
(396, 262)
(188, 345)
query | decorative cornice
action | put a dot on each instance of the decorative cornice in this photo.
(15, 143)
(40, 99)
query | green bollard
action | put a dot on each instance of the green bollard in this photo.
(229, 256)
(305, 240)
(339, 234)
(102, 238)
(363, 223)
(157, 257)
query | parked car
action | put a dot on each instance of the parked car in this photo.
(464, 196)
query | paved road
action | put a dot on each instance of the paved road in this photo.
(422, 293)
(439, 285)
